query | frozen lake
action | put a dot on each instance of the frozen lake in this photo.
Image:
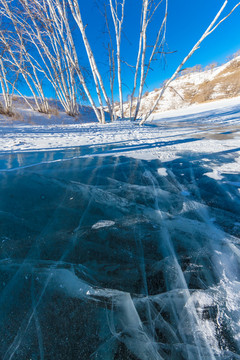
(115, 258)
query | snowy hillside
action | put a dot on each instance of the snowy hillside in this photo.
(196, 87)
(167, 134)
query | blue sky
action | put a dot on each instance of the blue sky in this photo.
(187, 19)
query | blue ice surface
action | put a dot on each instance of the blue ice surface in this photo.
(103, 258)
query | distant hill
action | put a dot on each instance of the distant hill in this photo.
(196, 86)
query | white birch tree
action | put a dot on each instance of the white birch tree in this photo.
(45, 30)
(8, 81)
(99, 85)
(143, 63)
(118, 22)
(16, 54)
(112, 66)
(73, 57)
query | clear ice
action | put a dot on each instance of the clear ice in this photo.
(110, 258)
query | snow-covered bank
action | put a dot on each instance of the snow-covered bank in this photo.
(206, 128)
(213, 106)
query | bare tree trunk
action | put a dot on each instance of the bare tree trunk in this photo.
(6, 97)
(112, 78)
(18, 42)
(95, 72)
(137, 65)
(74, 59)
(148, 11)
(143, 63)
(7, 94)
(112, 69)
(118, 32)
(144, 47)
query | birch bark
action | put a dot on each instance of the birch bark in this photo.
(118, 22)
(74, 6)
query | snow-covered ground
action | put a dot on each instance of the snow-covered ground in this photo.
(205, 128)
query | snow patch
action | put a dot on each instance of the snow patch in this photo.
(162, 172)
(214, 175)
(102, 224)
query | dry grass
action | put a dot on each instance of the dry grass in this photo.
(234, 66)
(189, 94)
(211, 66)
(228, 83)
(190, 70)
(53, 111)
(204, 92)
(10, 113)
(17, 116)
(7, 112)
(50, 111)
